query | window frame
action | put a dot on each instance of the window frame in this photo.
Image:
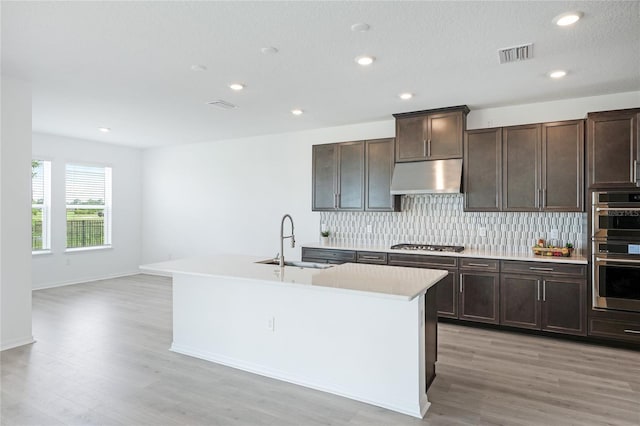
(106, 207)
(45, 207)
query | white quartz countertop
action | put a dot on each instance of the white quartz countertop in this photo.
(376, 280)
(503, 255)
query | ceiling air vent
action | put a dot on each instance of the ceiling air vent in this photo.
(222, 104)
(516, 53)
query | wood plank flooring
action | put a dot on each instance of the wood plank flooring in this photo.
(102, 358)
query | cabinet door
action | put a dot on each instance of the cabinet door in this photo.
(411, 144)
(483, 170)
(379, 154)
(447, 296)
(520, 297)
(444, 138)
(479, 297)
(324, 176)
(351, 176)
(564, 303)
(521, 166)
(563, 166)
(612, 139)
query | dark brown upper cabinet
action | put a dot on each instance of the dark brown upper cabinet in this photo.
(482, 171)
(521, 168)
(535, 167)
(563, 166)
(431, 134)
(612, 148)
(354, 176)
(379, 156)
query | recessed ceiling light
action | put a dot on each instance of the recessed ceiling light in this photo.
(104, 129)
(198, 68)
(269, 50)
(405, 96)
(567, 18)
(365, 60)
(557, 74)
(236, 86)
(297, 111)
(360, 27)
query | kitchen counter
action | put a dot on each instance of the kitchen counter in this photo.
(502, 255)
(371, 280)
(365, 332)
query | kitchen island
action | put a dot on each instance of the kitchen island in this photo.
(366, 332)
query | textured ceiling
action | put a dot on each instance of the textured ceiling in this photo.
(126, 65)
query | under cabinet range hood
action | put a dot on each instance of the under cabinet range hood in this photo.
(427, 177)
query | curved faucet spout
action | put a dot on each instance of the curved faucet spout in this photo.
(282, 237)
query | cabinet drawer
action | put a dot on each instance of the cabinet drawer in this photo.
(491, 265)
(422, 261)
(619, 330)
(330, 255)
(371, 257)
(544, 268)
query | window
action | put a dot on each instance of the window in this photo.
(40, 205)
(88, 199)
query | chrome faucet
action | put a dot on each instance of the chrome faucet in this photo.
(282, 237)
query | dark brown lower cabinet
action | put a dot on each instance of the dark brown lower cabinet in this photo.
(548, 303)
(447, 295)
(479, 297)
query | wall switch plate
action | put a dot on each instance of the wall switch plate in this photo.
(369, 228)
(553, 234)
(482, 232)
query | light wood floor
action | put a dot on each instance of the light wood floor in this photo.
(102, 358)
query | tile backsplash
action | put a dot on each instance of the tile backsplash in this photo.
(440, 219)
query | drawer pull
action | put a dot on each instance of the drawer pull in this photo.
(483, 265)
(371, 257)
(534, 268)
(632, 331)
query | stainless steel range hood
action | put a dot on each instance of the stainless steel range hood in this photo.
(427, 177)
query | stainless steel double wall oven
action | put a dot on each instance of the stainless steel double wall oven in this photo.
(616, 250)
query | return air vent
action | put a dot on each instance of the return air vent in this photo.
(222, 104)
(516, 53)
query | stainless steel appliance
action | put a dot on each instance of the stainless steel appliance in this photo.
(427, 247)
(616, 250)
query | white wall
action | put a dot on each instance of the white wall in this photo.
(59, 267)
(229, 196)
(15, 215)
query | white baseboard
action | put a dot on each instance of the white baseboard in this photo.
(14, 343)
(84, 280)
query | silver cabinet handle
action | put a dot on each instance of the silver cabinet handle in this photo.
(424, 147)
(370, 257)
(544, 290)
(538, 290)
(617, 209)
(429, 148)
(461, 286)
(335, 200)
(635, 179)
(483, 265)
(544, 198)
(632, 331)
(535, 268)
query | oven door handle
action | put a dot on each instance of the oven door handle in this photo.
(617, 209)
(602, 259)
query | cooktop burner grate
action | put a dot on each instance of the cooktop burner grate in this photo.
(427, 247)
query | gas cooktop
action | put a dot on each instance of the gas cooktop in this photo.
(427, 247)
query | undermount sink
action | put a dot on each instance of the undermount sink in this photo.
(296, 263)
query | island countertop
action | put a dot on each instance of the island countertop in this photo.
(375, 280)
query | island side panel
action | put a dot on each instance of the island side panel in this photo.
(431, 335)
(371, 349)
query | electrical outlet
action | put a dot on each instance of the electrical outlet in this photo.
(271, 324)
(553, 234)
(369, 228)
(482, 232)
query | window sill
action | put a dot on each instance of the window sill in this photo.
(40, 252)
(86, 249)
